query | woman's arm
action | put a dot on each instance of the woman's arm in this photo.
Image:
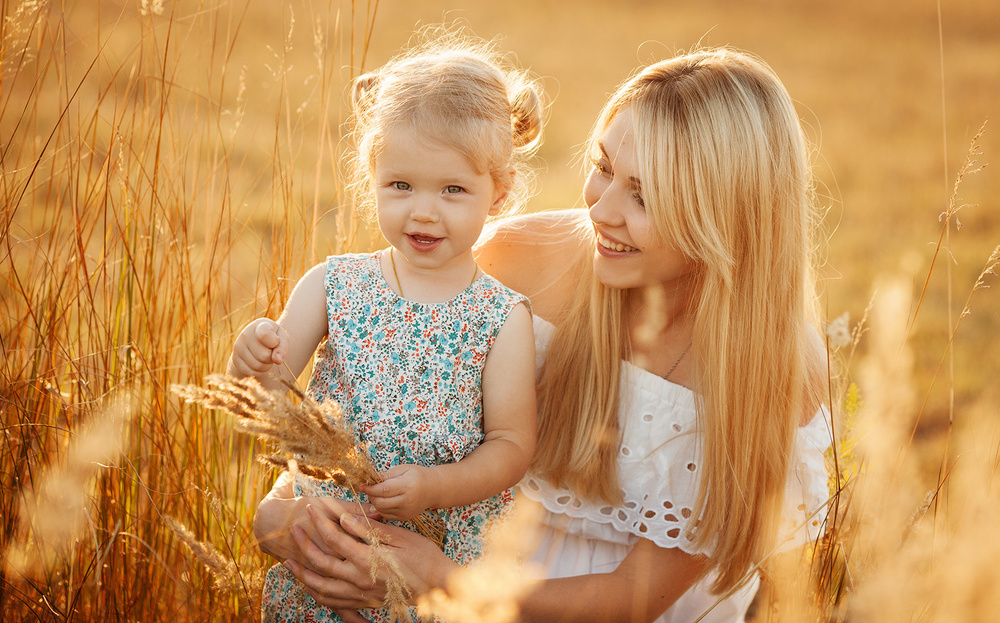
(647, 582)
(501, 460)
(281, 512)
(540, 255)
(644, 585)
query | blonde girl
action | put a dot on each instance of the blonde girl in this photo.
(681, 433)
(430, 358)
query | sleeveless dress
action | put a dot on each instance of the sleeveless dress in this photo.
(408, 377)
(658, 469)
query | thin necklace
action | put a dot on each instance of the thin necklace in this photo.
(674, 367)
(475, 271)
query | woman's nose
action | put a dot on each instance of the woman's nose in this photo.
(602, 206)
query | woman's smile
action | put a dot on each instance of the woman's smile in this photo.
(606, 245)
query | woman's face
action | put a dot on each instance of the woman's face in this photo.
(628, 253)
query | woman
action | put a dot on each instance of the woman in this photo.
(680, 426)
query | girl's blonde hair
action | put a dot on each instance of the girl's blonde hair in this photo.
(726, 180)
(457, 91)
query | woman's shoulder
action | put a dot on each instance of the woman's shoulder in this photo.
(539, 254)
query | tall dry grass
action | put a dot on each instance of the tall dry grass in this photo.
(139, 148)
(166, 170)
(899, 545)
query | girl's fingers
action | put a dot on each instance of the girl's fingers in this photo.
(267, 334)
(261, 354)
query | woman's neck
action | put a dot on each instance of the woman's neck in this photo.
(660, 327)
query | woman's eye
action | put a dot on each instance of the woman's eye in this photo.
(602, 167)
(638, 199)
(450, 190)
(400, 185)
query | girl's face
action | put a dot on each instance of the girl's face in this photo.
(628, 253)
(431, 202)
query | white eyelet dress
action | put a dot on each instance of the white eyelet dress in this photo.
(659, 470)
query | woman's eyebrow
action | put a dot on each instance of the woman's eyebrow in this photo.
(633, 180)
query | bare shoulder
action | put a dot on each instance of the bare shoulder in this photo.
(537, 254)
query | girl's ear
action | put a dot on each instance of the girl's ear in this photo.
(502, 192)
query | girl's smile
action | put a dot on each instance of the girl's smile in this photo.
(431, 204)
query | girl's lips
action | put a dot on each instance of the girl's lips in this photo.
(423, 243)
(606, 244)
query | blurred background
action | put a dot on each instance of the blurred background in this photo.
(169, 169)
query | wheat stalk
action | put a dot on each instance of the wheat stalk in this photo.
(313, 434)
(314, 439)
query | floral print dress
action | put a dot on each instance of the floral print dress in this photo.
(408, 377)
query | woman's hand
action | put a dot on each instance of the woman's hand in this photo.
(336, 570)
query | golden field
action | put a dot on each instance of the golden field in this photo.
(168, 169)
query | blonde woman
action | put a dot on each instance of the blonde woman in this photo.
(681, 432)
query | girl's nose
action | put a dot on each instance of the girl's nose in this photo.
(424, 211)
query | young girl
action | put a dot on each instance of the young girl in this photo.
(430, 359)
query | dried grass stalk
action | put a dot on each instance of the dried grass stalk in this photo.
(313, 439)
(313, 435)
(384, 566)
(224, 570)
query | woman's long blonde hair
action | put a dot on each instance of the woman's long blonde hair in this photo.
(726, 180)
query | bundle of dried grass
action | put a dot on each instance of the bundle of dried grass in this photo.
(310, 437)
(386, 568)
(313, 439)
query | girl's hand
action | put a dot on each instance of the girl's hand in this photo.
(405, 492)
(261, 345)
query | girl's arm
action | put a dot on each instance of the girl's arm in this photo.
(499, 462)
(277, 352)
(647, 582)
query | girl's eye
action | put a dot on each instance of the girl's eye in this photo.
(450, 190)
(400, 185)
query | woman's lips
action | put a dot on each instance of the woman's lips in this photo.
(611, 245)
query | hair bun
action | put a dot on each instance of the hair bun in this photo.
(363, 87)
(526, 117)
